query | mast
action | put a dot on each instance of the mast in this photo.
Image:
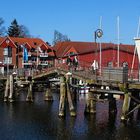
(118, 49)
(135, 47)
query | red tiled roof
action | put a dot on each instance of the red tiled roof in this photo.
(33, 42)
(86, 47)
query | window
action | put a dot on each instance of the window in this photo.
(7, 60)
(7, 52)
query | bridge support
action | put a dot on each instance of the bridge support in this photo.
(9, 85)
(112, 105)
(91, 103)
(29, 95)
(126, 104)
(62, 96)
(65, 93)
(48, 94)
(6, 90)
(11, 88)
(71, 106)
(68, 82)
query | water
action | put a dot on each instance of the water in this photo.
(39, 121)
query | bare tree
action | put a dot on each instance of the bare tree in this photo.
(59, 37)
(24, 32)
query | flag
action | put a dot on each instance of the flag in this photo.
(25, 54)
(40, 50)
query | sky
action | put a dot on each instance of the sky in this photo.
(78, 19)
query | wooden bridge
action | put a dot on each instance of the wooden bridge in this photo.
(109, 80)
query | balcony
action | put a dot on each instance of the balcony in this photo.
(27, 63)
(43, 55)
(43, 63)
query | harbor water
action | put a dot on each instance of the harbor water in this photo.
(39, 120)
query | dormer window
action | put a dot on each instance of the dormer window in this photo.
(35, 43)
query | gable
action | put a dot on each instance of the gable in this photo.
(7, 42)
(71, 51)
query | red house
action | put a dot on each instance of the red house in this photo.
(87, 52)
(12, 50)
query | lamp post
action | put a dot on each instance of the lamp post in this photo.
(98, 34)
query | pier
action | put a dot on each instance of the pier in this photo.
(101, 87)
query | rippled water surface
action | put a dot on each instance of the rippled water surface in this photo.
(39, 121)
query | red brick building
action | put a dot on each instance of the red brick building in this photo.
(12, 54)
(87, 52)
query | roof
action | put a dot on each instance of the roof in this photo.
(33, 42)
(61, 48)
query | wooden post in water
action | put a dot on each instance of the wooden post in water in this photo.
(6, 90)
(112, 104)
(126, 103)
(71, 106)
(62, 96)
(11, 88)
(91, 103)
(29, 97)
(48, 94)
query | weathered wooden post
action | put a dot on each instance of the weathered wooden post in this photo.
(6, 90)
(62, 96)
(11, 88)
(126, 103)
(48, 94)
(91, 102)
(71, 106)
(29, 94)
(112, 104)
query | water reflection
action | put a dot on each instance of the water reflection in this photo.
(39, 121)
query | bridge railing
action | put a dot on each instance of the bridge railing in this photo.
(83, 69)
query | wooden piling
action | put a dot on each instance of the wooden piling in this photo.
(48, 94)
(91, 103)
(68, 82)
(11, 88)
(6, 90)
(71, 106)
(125, 107)
(62, 96)
(29, 95)
(112, 105)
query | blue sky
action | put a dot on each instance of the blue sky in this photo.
(78, 19)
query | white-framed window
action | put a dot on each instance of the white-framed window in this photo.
(7, 60)
(5, 51)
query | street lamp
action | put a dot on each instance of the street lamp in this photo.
(99, 34)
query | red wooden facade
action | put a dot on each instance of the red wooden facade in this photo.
(88, 52)
(38, 53)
